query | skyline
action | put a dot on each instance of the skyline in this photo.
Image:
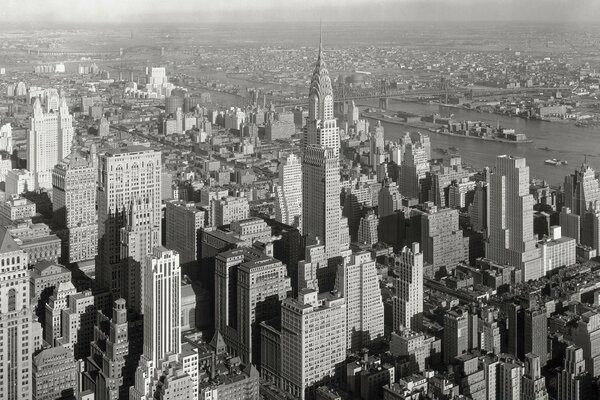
(112, 11)
(266, 201)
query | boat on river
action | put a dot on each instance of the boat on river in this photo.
(555, 161)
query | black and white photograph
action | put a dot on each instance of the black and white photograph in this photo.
(300, 200)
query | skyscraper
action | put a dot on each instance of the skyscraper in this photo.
(128, 183)
(367, 229)
(389, 199)
(262, 284)
(161, 305)
(16, 328)
(377, 146)
(534, 384)
(183, 223)
(108, 366)
(581, 189)
(408, 302)
(456, 335)
(49, 140)
(511, 239)
(162, 319)
(442, 239)
(321, 127)
(74, 205)
(574, 382)
(536, 334)
(413, 170)
(358, 283)
(321, 212)
(313, 341)
(288, 194)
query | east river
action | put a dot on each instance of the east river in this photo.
(564, 139)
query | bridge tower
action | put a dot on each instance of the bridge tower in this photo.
(120, 52)
(162, 51)
(443, 90)
(340, 97)
(383, 100)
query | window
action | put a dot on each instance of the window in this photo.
(12, 304)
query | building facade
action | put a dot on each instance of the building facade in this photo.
(49, 140)
(74, 205)
(125, 176)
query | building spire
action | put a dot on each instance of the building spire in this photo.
(320, 38)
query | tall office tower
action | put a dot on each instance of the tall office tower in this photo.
(490, 366)
(262, 285)
(162, 300)
(570, 224)
(408, 302)
(534, 384)
(574, 382)
(137, 241)
(357, 196)
(367, 229)
(183, 223)
(478, 212)
(16, 328)
(49, 140)
(442, 240)
(74, 205)
(128, 181)
(413, 172)
(358, 283)
(313, 341)
(108, 368)
(590, 227)
(308, 269)
(162, 319)
(587, 337)
(288, 193)
(226, 311)
(425, 143)
(353, 113)
(509, 378)
(456, 335)
(581, 189)
(511, 239)
(321, 126)
(377, 146)
(536, 333)
(57, 303)
(389, 199)
(321, 212)
(6, 140)
(104, 127)
(450, 171)
(489, 330)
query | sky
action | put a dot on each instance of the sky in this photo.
(199, 11)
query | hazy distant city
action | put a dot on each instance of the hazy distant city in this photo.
(270, 201)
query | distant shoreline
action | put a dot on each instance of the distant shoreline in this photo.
(383, 118)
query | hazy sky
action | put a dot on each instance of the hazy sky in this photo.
(166, 11)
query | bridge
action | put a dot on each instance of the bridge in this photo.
(345, 93)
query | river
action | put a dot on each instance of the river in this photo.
(565, 140)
